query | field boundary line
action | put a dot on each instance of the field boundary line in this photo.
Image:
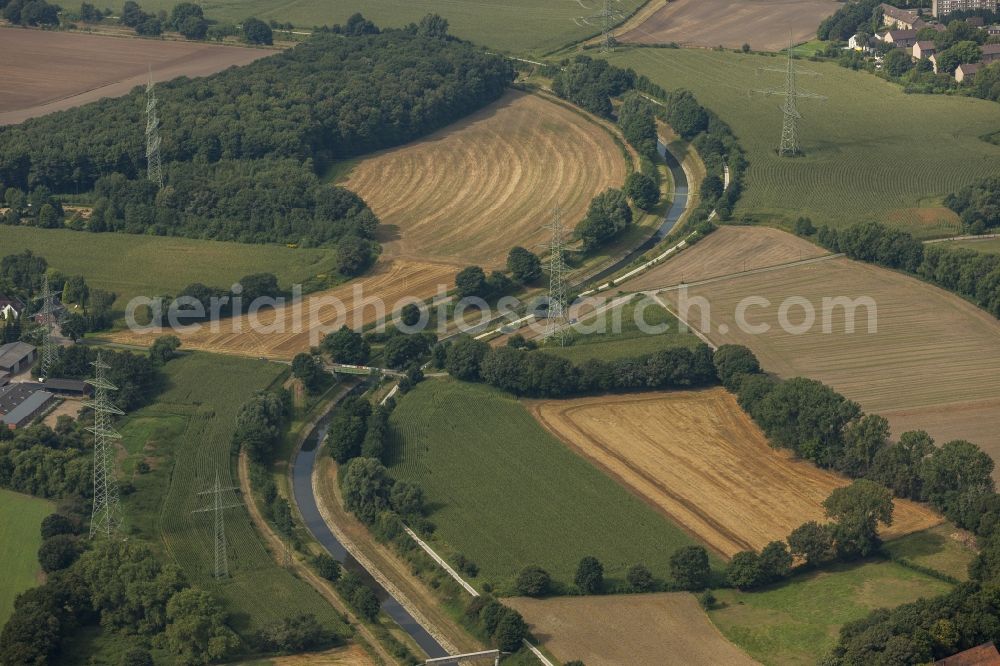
(538, 653)
(701, 336)
(444, 565)
(962, 238)
(732, 276)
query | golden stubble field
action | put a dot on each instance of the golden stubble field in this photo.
(473, 190)
(45, 71)
(725, 251)
(628, 629)
(929, 362)
(283, 332)
(698, 458)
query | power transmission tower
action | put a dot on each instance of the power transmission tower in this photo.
(789, 145)
(106, 517)
(557, 279)
(609, 16)
(154, 169)
(219, 509)
(48, 317)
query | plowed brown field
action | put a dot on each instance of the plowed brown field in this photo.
(282, 333)
(45, 71)
(764, 24)
(665, 628)
(696, 456)
(725, 251)
(473, 190)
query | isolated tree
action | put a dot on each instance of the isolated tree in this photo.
(524, 265)
(410, 314)
(642, 190)
(590, 575)
(346, 346)
(689, 567)
(256, 31)
(857, 510)
(533, 581)
(163, 349)
(639, 578)
(812, 542)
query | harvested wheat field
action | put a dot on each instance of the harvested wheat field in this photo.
(283, 332)
(46, 71)
(628, 629)
(352, 655)
(725, 251)
(928, 358)
(473, 190)
(696, 456)
(764, 24)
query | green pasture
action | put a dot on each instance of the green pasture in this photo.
(938, 548)
(506, 494)
(987, 246)
(872, 152)
(20, 518)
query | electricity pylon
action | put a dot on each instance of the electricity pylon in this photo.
(557, 279)
(106, 518)
(609, 15)
(789, 145)
(48, 317)
(154, 169)
(221, 558)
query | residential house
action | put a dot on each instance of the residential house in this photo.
(11, 307)
(900, 38)
(993, 30)
(923, 49)
(904, 19)
(966, 70)
(991, 53)
(16, 357)
(941, 8)
(858, 42)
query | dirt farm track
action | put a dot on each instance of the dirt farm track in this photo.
(764, 24)
(698, 458)
(45, 71)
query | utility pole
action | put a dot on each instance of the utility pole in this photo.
(221, 558)
(48, 315)
(609, 16)
(106, 517)
(557, 279)
(154, 169)
(789, 145)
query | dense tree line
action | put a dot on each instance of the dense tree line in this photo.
(970, 274)
(46, 462)
(504, 625)
(137, 377)
(30, 12)
(260, 422)
(978, 204)
(120, 586)
(242, 149)
(849, 19)
(546, 376)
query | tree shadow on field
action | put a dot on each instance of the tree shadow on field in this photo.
(386, 233)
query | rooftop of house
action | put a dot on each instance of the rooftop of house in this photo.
(991, 49)
(925, 45)
(27, 407)
(897, 35)
(981, 655)
(897, 13)
(13, 353)
(13, 395)
(12, 301)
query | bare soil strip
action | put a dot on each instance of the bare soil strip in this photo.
(764, 24)
(45, 71)
(629, 629)
(697, 457)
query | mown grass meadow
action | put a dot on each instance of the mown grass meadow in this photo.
(20, 518)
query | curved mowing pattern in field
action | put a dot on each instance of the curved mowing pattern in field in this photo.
(872, 152)
(506, 494)
(208, 391)
(477, 188)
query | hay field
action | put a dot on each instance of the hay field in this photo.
(282, 332)
(766, 25)
(137, 265)
(872, 151)
(698, 458)
(521, 26)
(20, 517)
(46, 71)
(930, 362)
(473, 190)
(725, 251)
(628, 629)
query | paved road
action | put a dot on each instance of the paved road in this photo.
(302, 474)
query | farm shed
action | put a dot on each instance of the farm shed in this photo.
(15, 357)
(21, 403)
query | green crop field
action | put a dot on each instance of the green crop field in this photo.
(522, 26)
(939, 548)
(991, 246)
(798, 622)
(20, 518)
(505, 493)
(185, 437)
(134, 265)
(621, 335)
(871, 151)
